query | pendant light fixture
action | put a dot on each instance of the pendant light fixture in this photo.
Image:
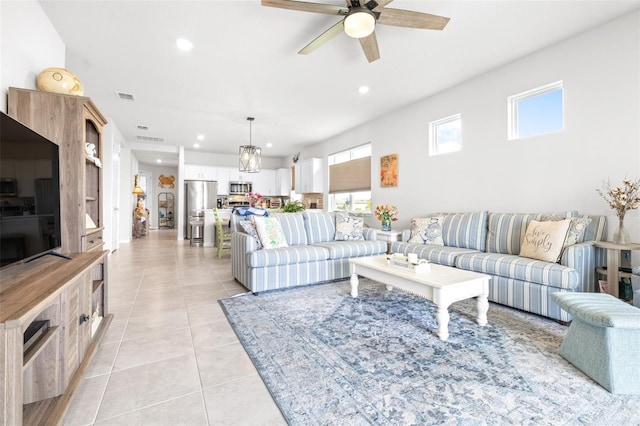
(250, 156)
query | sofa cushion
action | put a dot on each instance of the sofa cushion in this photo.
(441, 255)
(353, 248)
(506, 231)
(465, 230)
(286, 256)
(545, 240)
(293, 227)
(348, 227)
(427, 230)
(249, 227)
(520, 268)
(270, 232)
(320, 226)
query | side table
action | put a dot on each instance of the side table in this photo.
(613, 262)
(388, 236)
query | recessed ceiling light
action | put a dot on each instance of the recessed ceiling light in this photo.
(269, 144)
(159, 160)
(200, 137)
(363, 90)
(196, 145)
(184, 44)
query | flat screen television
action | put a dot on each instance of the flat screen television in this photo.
(30, 199)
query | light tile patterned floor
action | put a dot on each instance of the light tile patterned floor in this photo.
(170, 357)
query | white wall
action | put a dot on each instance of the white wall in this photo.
(28, 44)
(555, 172)
(154, 189)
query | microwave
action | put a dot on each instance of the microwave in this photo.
(240, 188)
(8, 187)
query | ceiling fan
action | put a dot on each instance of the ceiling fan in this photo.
(360, 20)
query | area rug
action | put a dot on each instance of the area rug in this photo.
(328, 358)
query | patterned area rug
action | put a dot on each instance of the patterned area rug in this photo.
(328, 358)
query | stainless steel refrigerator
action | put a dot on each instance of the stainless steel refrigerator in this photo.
(200, 195)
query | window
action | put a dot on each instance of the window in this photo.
(350, 180)
(536, 112)
(445, 135)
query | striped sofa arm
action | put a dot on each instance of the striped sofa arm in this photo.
(241, 244)
(582, 258)
(369, 234)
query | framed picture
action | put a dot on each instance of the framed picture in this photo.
(389, 170)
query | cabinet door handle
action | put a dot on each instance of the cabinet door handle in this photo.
(84, 318)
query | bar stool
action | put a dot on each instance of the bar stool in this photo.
(197, 232)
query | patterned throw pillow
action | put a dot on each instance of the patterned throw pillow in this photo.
(427, 230)
(270, 232)
(576, 229)
(544, 240)
(348, 227)
(250, 228)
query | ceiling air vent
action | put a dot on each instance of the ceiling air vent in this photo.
(126, 96)
(140, 127)
(149, 139)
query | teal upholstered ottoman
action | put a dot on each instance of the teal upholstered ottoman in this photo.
(603, 339)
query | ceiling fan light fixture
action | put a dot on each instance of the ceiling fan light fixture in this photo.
(250, 155)
(359, 22)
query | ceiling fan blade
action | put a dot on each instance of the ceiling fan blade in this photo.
(370, 47)
(381, 4)
(329, 9)
(410, 19)
(323, 38)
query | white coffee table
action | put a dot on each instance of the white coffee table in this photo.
(443, 285)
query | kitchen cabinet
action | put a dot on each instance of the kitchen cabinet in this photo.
(311, 176)
(283, 182)
(199, 172)
(223, 180)
(265, 182)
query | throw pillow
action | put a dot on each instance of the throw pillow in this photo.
(427, 230)
(250, 228)
(348, 227)
(544, 240)
(270, 232)
(576, 230)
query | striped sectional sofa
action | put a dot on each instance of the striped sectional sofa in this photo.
(490, 243)
(312, 255)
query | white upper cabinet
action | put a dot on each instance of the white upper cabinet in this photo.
(283, 182)
(311, 176)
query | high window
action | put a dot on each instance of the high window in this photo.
(536, 112)
(445, 135)
(350, 180)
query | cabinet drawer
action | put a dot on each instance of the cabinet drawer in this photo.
(92, 241)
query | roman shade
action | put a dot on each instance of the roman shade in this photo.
(350, 176)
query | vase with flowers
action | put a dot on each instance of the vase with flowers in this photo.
(254, 198)
(621, 199)
(386, 213)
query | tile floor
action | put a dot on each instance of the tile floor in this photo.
(170, 357)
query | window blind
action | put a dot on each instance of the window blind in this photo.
(350, 176)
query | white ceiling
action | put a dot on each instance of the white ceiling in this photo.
(244, 63)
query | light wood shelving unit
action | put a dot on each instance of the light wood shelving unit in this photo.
(36, 387)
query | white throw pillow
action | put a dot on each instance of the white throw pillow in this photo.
(544, 240)
(348, 227)
(270, 232)
(427, 230)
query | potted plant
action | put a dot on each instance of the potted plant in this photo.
(293, 206)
